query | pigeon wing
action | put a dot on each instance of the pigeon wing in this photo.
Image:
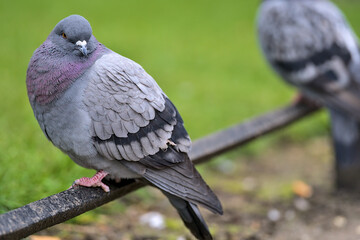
(131, 116)
(133, 121)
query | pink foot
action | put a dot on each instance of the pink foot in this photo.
(95, 181)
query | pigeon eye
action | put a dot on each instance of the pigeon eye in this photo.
(64, 35)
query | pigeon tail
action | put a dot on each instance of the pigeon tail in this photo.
(191, 217)
(346, 140)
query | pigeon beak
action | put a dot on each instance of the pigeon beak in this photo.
(83, 48)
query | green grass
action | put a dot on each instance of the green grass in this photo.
(204, 55)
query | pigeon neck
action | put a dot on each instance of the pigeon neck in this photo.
(51, 72)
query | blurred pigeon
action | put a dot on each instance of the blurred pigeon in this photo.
(310, 44)
(108, 114)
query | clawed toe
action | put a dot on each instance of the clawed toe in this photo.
(95, 181)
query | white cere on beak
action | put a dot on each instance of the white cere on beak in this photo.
(83, 48)
(81, 43)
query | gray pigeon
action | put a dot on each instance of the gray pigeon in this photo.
(108, 114)
(310, 44)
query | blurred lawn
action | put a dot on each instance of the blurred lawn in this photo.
(203, 54)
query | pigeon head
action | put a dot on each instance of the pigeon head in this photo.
(74, 36)
(69, 50)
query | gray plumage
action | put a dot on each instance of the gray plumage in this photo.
(120, 102)
(310, 45)
(107, 113)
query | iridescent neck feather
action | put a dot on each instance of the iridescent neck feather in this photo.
(51, 72)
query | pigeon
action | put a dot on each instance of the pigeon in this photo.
(310, 44)
(107, 113)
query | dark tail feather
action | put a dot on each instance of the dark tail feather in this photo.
(191, 217)
(346, 140)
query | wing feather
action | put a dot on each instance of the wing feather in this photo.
(131, 116)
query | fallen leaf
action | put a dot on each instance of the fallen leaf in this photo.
(302, 189)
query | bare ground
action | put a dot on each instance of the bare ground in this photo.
(258, 197)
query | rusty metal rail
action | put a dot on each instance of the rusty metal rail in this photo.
(33, 217)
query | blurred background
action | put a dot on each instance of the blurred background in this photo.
(205, 56)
